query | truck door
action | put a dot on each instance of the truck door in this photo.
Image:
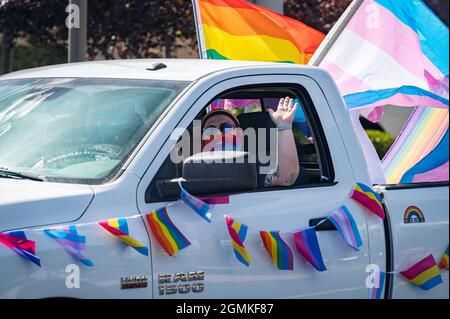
(418, 215)
(325, 159)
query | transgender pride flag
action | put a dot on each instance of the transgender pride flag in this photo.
(391, 53)
(71, 241)
(394, 52)
(343, 220)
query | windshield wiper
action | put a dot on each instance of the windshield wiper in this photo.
(24, 175)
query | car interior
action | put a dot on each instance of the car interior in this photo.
(255, 116)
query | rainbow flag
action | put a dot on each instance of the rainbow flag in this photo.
(18, 242)
(346, 226)
(119, 228)
(444, 260)
(73, 243)
(199, 206)
(166, 233)
(240, 30)
(375, 292)
(425, 274)
(308, 246)
(365, 195)
(425, 135)
(278, 250)
(238, 232)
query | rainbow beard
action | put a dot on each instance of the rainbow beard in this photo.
(226, 142)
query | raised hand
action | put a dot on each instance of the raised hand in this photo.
(285, 112)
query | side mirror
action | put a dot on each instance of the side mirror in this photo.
(210, 173)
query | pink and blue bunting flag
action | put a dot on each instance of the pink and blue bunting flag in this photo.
(343, 220)
(73, 243)
(199, 206)
(377, 289)
(308, 246)
(18, 242)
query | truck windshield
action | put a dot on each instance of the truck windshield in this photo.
(77, 130)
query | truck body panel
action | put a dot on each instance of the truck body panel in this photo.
(414, 239)
(390, 245)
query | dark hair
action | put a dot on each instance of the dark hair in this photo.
(220, 112)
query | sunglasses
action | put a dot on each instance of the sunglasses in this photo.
(223, 128)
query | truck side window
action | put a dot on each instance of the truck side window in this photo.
(250, 106)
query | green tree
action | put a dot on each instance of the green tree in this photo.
(34, 31)
(135, 28)
(116, 28)
(36, 23)
(382, 141)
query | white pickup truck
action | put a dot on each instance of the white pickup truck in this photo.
(85, 142)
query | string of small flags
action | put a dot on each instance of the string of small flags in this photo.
(424, 274)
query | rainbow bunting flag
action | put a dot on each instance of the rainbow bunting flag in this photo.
(444, 260)
(308, 246)
(199, 206)
(425, 274)
(240, 30)
(278, 250)
(165, 232)
(238, 232)
(18, 242)
(73, 243)
(377, 289)
(119, 228)
(364, 195)
(346, 226)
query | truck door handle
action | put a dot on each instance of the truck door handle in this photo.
(325, 226)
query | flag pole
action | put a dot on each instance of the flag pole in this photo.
(199, 30)
(334, 33)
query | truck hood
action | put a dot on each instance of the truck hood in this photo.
(25, 203)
